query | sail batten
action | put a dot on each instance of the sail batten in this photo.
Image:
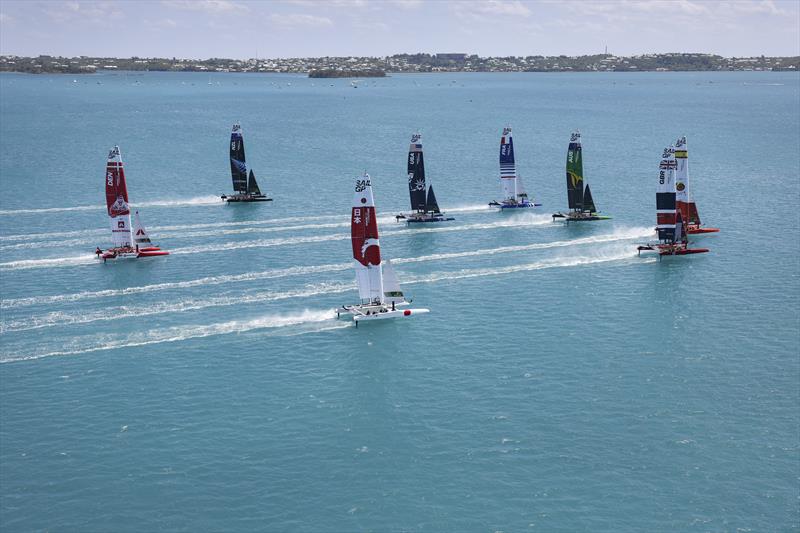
(117, 200)
(238, 161)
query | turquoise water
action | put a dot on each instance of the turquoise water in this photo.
(561, 385)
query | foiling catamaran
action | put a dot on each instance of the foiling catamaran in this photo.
(244, 185)
(423, 201)
(378, 289)
(127, 244)
(514, 195)
(672, 237)
(579, 196)
(685, 200)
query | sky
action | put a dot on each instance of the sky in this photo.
(243, 29)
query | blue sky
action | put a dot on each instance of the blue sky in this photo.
(300, 28)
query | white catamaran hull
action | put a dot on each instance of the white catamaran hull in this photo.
(371, 312)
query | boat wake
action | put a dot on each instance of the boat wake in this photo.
(618, 235)
(95, 343)
(75, 260)
(199, 200)
(176, 228)
(305, 322)
(58, 318)
(618, 255)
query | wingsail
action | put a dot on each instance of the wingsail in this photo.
(117, 200)
(238, 161)
(366, 244)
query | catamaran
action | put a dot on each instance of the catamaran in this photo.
(672, 238)
(686, 204)
(127, 245)
(579, 196)
(423, 201)
(244, 184)
(378, 289)
(514, 195)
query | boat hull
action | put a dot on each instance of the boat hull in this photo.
(700, 231)
(246, 198)
(523, 205)
(667, 250)
(150, 251)
(387, 314)
(572, 218)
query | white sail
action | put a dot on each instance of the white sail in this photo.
(366, 246)
(140, 237)
(392, 292)
(521, 193)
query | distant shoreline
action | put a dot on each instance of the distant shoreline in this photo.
(346, 67)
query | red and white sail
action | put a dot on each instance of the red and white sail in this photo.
(117, 200)
(665, 196)
(366, 246)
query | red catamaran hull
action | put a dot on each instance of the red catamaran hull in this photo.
(696, 231)
(685, 251)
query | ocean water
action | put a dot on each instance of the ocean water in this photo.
(560, 382)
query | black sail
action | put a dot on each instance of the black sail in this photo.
(588, 201)
(575, 173)
(680, 235)
(252, 185)
(432, 206)
(416, 174)
(238, 164)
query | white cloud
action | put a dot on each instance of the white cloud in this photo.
(766, 7)
(480, 10)
(407, 4)
(208, 6)
(94, 12)
(296, 20)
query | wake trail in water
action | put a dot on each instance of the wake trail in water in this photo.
(619, 235)
(240, 245)
(75, 260)
(125, 311)
(210, 280)
(155, 234)
(199, 200)
(182, 333)
(59, 318)
(621, 255)
(178, 228)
